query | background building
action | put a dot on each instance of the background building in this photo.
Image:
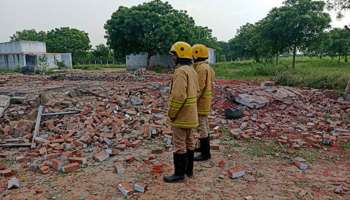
(18, 54)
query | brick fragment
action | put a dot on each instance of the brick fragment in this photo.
(101, 156)
(80, 160)
(215, 147)
(236, 173)
(129, 158)
(44, 169)
(57, 164)
(71, 167)
(6, 172)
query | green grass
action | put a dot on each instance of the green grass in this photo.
(99, 67)
(346, 146)
(309, 72)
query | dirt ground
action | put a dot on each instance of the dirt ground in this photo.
(267, 160)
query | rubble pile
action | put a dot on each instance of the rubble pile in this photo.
(292, 116)
(89, 117)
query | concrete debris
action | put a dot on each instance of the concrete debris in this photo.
(4, 104)
(251, 101)
(125, 188)
(13, 183)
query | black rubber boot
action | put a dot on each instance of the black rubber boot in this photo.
(180, 163)
(205, 150)
(189, 168)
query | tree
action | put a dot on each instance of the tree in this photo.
(63, 40)
(152, 27)
(102, 53)
(339, 5)
(339, 43)
(301, 22)
(31, 35)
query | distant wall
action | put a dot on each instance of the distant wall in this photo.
(136, 61)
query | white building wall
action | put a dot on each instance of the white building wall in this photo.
(22, 47)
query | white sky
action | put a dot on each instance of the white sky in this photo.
(224, 17)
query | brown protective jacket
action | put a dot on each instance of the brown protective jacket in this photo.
(183, 98)
(206, 78)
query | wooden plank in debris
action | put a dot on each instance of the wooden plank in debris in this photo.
(61, 113)
(37, 125)
(15, 145)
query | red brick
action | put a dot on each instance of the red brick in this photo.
(129, 158)
(57, 164)
(6, 172)
(44, 169)
(136, 143)
(157, 168)
(71, 167)
(101, 156)
(52, 155)
(81, 160)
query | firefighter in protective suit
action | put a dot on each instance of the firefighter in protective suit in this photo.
(182, 114)
(206, 78)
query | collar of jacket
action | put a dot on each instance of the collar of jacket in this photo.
(196, 64)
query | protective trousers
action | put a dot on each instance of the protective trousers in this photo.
(183, 140)
(203, 128)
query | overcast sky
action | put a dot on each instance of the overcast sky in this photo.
(222, 16)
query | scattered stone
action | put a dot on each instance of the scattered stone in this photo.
(248, 198)
(252, 101)
(140, 187)
(125, 188)
(13, 183)
(119, 169)
(232, 113)
(6, 172)
(301, 165)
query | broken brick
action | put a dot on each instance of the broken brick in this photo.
(70, 167)
(101, 156)
(215, 147)
(57, 164)
(80, 160)
(236, 173)
(129, 158)
(44, 169)
(6, 172)
(157, 168)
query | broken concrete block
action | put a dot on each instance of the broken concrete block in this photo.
(13, 183)
(119, 169)
(236, 173)
(4, 104)
(138, 187)
(252, 101)
(125, 189)
(301, 165)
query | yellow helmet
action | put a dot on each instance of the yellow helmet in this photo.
(181, 50)
(200, 51)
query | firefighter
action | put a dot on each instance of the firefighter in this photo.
(206, 78)
(182, 114)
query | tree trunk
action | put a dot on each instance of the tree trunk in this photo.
(346, 58)
(149, 60)
(339, 58)
(277, 56)
(294, 55)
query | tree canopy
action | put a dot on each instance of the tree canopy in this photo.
(152, 27)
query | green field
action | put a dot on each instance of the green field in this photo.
(319, 73)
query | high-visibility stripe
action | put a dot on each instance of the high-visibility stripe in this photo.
(177, 101)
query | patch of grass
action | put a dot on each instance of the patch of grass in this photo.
(346, 146)
(319, 73)
(98, 67)
(264, 148)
